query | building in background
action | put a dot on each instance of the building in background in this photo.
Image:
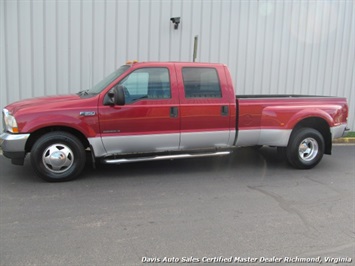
(271, 47)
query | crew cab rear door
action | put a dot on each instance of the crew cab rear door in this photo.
(204, 106)
(149, 120)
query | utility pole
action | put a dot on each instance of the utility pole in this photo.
(195, 48)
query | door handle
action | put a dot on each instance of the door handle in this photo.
(174, 111)
(224, 110)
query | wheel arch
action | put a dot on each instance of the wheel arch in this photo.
(40, 132)
(319, 124)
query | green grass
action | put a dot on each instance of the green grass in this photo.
(350, 134)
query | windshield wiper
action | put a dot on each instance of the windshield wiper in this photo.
(84, 92)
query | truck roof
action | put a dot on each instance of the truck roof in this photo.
(202, 64)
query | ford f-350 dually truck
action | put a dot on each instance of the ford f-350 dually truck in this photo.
(166, 110)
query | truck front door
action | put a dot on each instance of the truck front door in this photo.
(149, 121)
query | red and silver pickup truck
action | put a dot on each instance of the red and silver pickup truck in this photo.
(166, 110)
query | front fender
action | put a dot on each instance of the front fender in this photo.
(88, 126)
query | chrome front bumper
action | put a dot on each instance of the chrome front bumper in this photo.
(13, 146)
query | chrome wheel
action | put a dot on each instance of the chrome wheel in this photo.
(308, 149)
(58, 158)
(305, 148)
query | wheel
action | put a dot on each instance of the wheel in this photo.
(58, 156)
(305, 149)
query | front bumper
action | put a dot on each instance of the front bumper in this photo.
(13, 146)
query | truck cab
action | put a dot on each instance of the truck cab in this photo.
(168, 107)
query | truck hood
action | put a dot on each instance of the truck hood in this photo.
(43, 103)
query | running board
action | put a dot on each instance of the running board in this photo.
(163, 157)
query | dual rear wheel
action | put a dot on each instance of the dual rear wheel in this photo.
(305, 148)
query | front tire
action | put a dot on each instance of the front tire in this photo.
(58, 156)
(305, 149)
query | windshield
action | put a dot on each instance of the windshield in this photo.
(106, 81)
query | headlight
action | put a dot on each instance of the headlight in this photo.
(10, 122)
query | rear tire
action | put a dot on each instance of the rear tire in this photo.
(305, 149)
(58, 156)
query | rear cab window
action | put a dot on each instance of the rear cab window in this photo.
(201, 82)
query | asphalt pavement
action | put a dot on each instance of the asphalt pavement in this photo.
(249, 207)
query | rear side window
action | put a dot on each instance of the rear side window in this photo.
(201, 82)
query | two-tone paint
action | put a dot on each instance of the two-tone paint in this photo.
(149, 125)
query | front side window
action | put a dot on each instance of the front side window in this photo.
(201, 82)
(147, 83)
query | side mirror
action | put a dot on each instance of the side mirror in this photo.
(120, 98)
(115, 96)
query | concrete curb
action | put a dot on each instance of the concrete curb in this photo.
(344, 140)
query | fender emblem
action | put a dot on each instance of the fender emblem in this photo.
(111, 131)
(87, 113)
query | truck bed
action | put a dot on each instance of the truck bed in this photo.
(269, 119)
(259, 96)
